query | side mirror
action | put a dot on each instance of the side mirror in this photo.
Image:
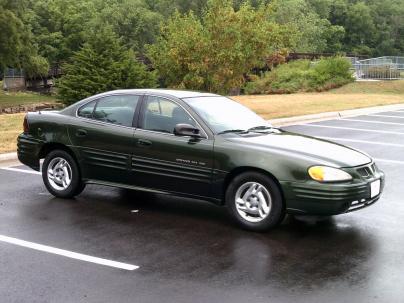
(183, 129)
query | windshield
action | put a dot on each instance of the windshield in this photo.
(223, 114)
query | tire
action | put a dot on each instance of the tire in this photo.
(61, 175)
(255, 201)
(80, 188)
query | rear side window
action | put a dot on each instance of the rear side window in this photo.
(118, 109)
(87, 110)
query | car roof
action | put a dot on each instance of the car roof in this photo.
(166, 92)
(181, 94)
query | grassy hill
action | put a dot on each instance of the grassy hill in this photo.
(8, 99)
(395, 87)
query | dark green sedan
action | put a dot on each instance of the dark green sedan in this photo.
(197, 145)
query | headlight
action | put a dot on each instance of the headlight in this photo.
(328, 174)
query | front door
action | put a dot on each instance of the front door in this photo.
(103, 136)
(167, 162)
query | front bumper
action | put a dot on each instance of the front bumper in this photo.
(314, 198)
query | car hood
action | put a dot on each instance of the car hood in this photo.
(323, 151)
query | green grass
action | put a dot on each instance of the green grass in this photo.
(8, 99)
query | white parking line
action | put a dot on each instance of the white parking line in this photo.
(33, 172)
(361, 141)
(68, 254)
(357, 129)
(387, 116)
(376, 122)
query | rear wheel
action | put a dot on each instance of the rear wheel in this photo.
(61, 175)
(255, 201)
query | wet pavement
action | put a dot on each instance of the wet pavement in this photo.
(191, 251)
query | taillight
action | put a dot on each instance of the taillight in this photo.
(25, 125)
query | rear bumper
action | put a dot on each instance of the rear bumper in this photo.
(28, 150)
(313, 198)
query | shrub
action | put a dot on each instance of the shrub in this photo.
(302, 75)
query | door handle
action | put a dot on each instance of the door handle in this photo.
(81, 133)
(144, 142)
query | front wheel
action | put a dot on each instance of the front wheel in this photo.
(255, 201)
(61, 175)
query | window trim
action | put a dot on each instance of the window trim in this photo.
(97, 99)
(95, 105)
(139, 125)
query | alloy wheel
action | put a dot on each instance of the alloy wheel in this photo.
(253, 202)
(59, 173)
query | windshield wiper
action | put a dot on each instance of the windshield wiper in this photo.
(252, 129)
(261, 127)
(233, 131)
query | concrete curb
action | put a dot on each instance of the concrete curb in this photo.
(8, 157)
(334, 115)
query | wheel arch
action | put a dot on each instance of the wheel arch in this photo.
(51, 146)
(242, 169)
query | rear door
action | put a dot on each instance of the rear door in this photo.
(167, 162)
(103, 135)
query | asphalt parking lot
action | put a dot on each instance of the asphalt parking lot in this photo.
(176, 250)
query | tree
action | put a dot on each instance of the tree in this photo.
(167, 7)
(131, 20)
(102, 64)
(321, 7)
(16, 42)
(215, 53)
(313, 33)
(359, 24)
(372, 27)
(10, 37)
(389, 26)
(60, 27)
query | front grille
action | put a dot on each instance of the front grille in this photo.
(367, 171)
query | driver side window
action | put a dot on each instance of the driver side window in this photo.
(162, 115)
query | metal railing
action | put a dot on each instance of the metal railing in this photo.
(13, 73)
(381, 68)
